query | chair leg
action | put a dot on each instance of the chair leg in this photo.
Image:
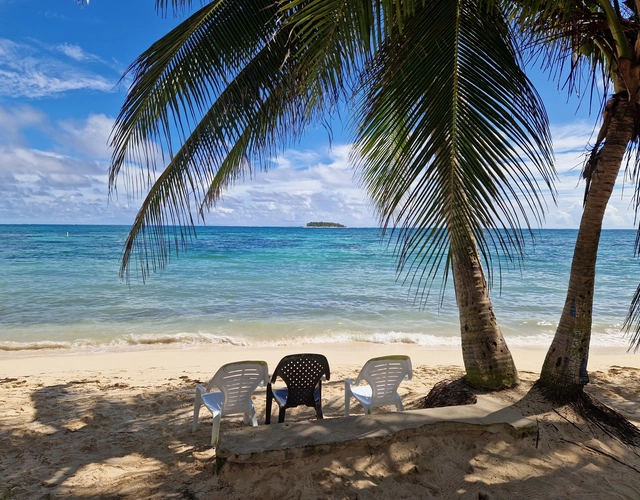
(399, 404)
(319, 411)
(215, 430)
(347, 398)
(281, 414)
(254, 417)
(196, 410)
(267, 419)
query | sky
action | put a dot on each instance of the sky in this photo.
(60, 91)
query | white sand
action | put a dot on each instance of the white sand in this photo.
(206, 359)
(117, 424)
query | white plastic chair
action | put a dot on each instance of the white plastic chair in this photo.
(383, 375)
(237, 382)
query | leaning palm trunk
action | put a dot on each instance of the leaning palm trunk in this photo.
(487, 359)
(565, 366)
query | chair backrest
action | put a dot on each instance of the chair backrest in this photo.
(237, 381)
(301, 373)
(384, 375)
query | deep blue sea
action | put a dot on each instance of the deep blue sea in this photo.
(60, 289)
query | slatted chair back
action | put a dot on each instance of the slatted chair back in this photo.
(302, 373)
(237, 382)
(384, 375)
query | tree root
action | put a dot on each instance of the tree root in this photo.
(595, 412)
(449, 393)
(607, 419)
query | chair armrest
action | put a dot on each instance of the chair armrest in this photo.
(201, 389)
(349, 381)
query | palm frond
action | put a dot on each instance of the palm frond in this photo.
(632, 321)
(282, 88)
(241, 129)
(586, 38)
(178, 78)
(448, 121)
(234, 83)
(181, 79)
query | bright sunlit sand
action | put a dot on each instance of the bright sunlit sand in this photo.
(118, 424)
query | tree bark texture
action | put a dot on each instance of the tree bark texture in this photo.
(487, 358)
(565, 366)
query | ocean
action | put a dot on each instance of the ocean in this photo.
(60, 289)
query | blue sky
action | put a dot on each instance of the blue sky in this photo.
(59, 94)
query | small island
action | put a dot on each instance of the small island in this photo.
(324, 224)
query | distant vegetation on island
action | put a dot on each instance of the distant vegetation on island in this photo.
(324, 224)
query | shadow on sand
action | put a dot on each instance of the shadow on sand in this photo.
(87, 439)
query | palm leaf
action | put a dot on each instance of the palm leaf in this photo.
(177, 7)
(231, 116)
(174, 81)
(448, 120)
(282, 87)
(177, 79)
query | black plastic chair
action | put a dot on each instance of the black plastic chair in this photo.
(302, 374)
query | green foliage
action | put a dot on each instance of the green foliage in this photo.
(324, 224)
(447, 119)
(443, 117)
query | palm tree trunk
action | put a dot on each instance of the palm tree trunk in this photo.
(487, 358)
(565, 367)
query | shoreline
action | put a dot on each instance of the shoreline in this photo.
(433, 335)
(204, 360)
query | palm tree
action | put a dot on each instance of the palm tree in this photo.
(446, 149)
(604, 37)
(443, 118)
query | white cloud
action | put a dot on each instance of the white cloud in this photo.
(67, 181)
(13, 122)
(304, 186)
(573, 137)
(88, 136)
(571, 143)
(29, 71)
(44, 187)
(76, 52)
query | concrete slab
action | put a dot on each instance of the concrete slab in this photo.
(290, 440)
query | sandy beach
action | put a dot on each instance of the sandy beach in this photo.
(118, 425)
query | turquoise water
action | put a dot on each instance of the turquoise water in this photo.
(59, 288)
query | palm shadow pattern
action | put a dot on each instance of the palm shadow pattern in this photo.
(100, 437)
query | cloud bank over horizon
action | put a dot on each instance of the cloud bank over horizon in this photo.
(57, 106)
(66, 183)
